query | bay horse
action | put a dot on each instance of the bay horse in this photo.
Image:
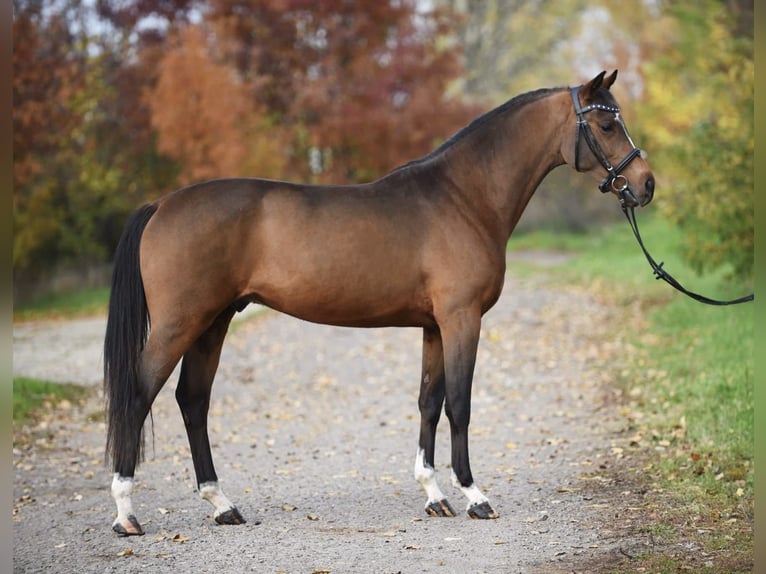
(423, 246)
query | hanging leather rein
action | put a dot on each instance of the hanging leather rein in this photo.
(619, 183)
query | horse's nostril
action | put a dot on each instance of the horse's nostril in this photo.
(649, 186)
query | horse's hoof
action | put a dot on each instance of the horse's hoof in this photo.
(482, 511)
(131, 528)
(441, 508)
(231, 516)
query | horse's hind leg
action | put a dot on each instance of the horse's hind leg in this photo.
(430, 404)
(193, 396)
(158, 359)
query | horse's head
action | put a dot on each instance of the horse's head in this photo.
(601, 146)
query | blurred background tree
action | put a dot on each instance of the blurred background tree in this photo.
(118, 103)
(514, 46)
(698, 111)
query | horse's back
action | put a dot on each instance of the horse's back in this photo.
(343, 255)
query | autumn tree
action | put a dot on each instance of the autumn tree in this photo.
(48, 79)
(162, 94)
(204, 118)
(348, 90)
(362, 86)
(76, 176)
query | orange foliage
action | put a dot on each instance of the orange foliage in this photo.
(202, 114)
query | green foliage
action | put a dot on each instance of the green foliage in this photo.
(79, 303)
(30, 396)
(698, 123)
(513, 46)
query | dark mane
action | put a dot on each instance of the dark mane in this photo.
(514, 103)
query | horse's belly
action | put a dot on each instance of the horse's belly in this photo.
(349, 301)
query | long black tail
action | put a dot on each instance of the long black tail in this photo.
(127, 329)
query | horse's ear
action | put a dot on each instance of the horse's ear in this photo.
(589, 89)
(610, 80)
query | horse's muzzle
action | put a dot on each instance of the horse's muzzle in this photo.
(632, 197)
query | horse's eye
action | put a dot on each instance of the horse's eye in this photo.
(607, 127)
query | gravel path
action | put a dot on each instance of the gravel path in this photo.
(314, 433)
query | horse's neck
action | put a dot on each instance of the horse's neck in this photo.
(498, 167)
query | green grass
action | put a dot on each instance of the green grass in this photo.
(31, 397)
(693, 360)
(687, 382)
(64, 305)
(548, 240)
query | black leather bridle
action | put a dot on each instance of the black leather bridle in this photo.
(614, 181)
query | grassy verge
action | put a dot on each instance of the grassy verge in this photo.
(32, 398)
(687, 386)
(64, 306)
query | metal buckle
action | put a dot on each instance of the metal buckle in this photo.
(622, 187)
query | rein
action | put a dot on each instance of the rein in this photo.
(619, 184)
(660, 273)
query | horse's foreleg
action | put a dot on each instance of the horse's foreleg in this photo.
(193, 396)
(461, 339)
(430, 404)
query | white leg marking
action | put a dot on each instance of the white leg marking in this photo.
(472, 492)
(425, 476)
(211, 492)
(122, 487)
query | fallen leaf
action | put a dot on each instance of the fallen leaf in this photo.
(179, 538)
(163, 510)
(313, 517)
(127, 552)
(289, 507)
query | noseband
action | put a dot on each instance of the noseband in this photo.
(614, 179)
